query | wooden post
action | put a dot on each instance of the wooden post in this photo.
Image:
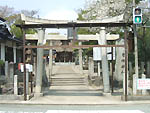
(112, 71)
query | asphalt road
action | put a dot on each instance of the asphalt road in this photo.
(139, 108)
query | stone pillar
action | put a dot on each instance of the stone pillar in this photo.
(120, 62)
(80, 59)
(76, 59)
(104, 61)
(91, 67)
(45, 77)
(142, 67)
(7, 70)
(41, 35)
(134, 84)
(27, 81)
(15, 52)
(3, 51)
(50, 60)
(11, 73)
(99, 68)
(15, 84)
(34, 66)
(148, 69)
(130, 68)
(144, 92)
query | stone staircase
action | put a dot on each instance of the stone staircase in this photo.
(68, 82)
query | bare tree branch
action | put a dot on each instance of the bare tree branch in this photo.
(6, 11)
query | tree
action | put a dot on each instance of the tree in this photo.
(29, 13)
(98, 9)
(13, 17)
(130, 1)
(6, 11)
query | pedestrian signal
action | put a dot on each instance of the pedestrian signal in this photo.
(137, 15)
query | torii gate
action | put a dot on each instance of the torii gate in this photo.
(51, 38)
(111, 22)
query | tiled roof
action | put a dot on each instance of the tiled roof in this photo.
(5, 33)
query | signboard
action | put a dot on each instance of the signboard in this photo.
(97, 53)
(143, 83)
(28, 66)
(109, 53)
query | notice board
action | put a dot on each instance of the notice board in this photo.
(143, 83)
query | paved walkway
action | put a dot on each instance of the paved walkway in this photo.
(69, 87)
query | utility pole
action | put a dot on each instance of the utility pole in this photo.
(135, 49)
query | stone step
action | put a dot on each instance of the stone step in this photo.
(81, 80)
(67, 78)
(73, 93)
(67, 81)
(67, 84)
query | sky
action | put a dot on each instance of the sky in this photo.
(48, 9)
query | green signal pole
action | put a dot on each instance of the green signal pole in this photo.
(135, 49)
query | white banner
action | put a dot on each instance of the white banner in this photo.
(97, 53)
